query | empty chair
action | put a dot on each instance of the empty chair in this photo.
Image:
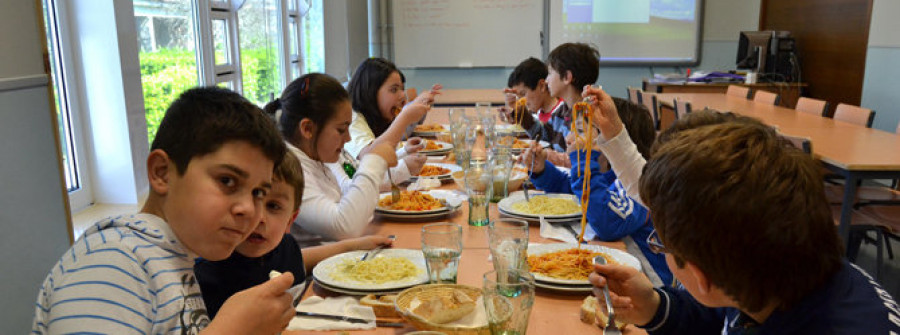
(667, 116)
(738, 91)
(649, 101)
(854, 114)
(682, 108)
(766, 97)
(633, 95)
(411, 94)
(812, 106)
(802, 143)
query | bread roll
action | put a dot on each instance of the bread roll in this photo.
(446, 308)
(383, 306)
(593, 315)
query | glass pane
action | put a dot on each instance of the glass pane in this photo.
(292, 4)
(294, 49)
(314, 38)
(63, 119)
(167, 55)
(220, 42)
(226, 84)
(295, 70)
(260, 61)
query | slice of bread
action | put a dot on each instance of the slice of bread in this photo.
(446, 308)
(592, 314)
(382, 305)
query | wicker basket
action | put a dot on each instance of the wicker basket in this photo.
(424, 292)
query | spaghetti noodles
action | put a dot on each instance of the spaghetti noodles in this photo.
(376, 271)
(573, 264)
(432, 170)
(413, 201)
(584, 110)
(544, 205)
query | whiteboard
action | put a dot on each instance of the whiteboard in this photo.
(466, 33)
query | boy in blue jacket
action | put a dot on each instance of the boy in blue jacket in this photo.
(611, 213)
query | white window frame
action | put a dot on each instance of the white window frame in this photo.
(81, 197)
(288, 59)
(205, 12)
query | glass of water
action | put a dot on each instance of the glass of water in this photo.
(442, 245)
(479, 181)
(508, 240)
(508, 298)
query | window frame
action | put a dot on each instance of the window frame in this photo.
(82, 196)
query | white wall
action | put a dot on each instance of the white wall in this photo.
(882, 78)
(723, 20)
(33, 213)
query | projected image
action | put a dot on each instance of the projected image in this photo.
(632, 30)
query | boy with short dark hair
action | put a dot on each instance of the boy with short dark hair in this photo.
(270, 246)
(742, 218)
(209, 167)
(570, 66)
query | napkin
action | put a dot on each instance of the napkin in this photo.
(348, 306)
(423, 184)
(558, 232)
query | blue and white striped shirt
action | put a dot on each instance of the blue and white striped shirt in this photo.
(125, 275)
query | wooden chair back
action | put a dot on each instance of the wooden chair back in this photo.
(649, 101)
(633, 95)
(854, 114)
(738, 91)
(802, 143)
(812, 106)
(682, 108)
(766, 97)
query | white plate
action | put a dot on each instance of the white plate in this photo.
(618, 256)
(564, 288)
(445, 147)
(357, 292)
(452, 167)
(324, 270)
(437, 195)
(431, 133)
(543, 144)
(538, 220)
(510, 129)
(505, 205)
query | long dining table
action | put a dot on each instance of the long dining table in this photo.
(852, 151)
(553, 312)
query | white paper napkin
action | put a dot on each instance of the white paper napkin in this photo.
(557, 232)
(423, 184)
(347, 306)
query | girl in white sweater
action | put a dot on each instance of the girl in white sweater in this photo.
(314, 115)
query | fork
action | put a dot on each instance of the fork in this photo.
(371, 253)
(611, 328)
(395, 191)
(527, 183)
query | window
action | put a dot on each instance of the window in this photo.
(236, 44)
(168, 55)
(314, 37)
(77, 183)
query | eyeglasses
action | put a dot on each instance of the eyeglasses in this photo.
(655, 244)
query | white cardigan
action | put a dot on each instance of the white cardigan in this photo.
(334, 206)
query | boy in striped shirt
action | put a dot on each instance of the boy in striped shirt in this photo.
(209, 169)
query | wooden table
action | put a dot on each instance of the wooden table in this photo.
(852, 151)
(553, 312)
(789, 92)
(468, 97)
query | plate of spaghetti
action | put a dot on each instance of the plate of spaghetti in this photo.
(550, 205)
(567, 264)
(438, 170)
(430, 129)
(411, 202)
(390, 269)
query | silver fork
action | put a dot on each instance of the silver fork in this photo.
(395, 191)
(371, 253)
(611, 328)
(537, 139)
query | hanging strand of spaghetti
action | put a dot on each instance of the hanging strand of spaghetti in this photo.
(519, 114)
(582, 110)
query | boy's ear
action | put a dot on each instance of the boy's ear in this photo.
(542, 85)
(568, 77)
(287, 230)
(158, 169)
(703, 283)
(307, 129)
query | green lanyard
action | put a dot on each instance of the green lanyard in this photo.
(349, 169)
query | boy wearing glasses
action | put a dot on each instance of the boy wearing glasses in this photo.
(742, 218)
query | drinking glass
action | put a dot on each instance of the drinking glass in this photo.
(508, 240)
(442, 245)
(479, 181)
(502, 161)
(456, 116)
(508, 298)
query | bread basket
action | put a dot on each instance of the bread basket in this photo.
(425, 292)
